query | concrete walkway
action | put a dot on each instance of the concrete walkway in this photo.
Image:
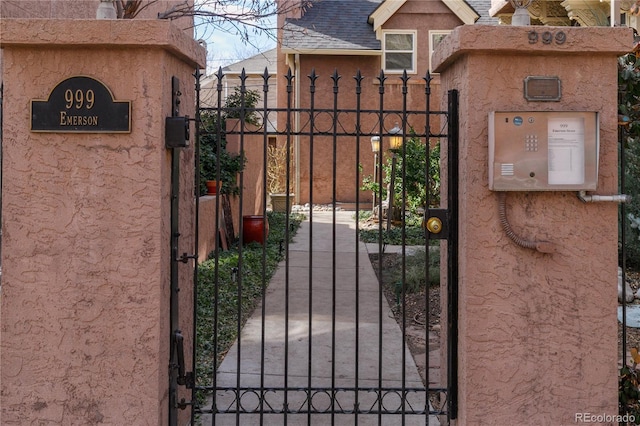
(327, 328)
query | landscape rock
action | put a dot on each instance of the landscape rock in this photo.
(629, 293)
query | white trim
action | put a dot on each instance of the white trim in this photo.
(432, 35)
(388, 8)
(414, 51)
(462, 11)
(499, 7)
(382, 14)
(342, 52)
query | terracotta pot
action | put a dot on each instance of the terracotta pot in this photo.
(252, 228)
(213, 186)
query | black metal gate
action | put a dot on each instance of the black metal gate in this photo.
(319, 346)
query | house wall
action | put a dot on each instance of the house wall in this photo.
(423, 16)
(292, 8)
(538, 334)
(209, 90)
(86, 227)
(252, 179)
(207, 231)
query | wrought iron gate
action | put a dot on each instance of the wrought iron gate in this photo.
(286, 367)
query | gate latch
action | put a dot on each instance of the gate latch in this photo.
(176, 132)
(176, 128)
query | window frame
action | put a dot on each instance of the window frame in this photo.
(434, 40)
(413, 51)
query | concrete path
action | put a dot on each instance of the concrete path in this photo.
(330, 331)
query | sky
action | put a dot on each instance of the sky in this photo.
(224, 43)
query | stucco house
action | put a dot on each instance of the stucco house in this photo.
(366, 35)
(254, 68)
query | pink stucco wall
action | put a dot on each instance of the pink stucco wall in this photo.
(86, 259)
(252, 179)
(538, 332)
(207, 233)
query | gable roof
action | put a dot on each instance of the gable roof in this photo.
(388, 8)
(349, 26)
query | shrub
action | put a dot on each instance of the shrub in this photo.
(212, 128)
(417, 169)
(629, 118)
(277, 169)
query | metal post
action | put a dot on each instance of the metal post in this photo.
(452, 253)
(396, 142)
(391, 190)
(375, 179)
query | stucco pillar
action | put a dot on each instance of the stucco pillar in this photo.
(537, 331)
(85, 333)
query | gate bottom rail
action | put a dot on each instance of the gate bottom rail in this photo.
(323, 400)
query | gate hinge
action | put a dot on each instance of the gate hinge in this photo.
(183, 404)
(184, 378)
(185, 257)
(188, 380)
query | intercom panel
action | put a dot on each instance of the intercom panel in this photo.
(543, 151)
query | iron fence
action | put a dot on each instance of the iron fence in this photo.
(268, 377)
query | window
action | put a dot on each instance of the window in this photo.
(435, 37)
(399, 51)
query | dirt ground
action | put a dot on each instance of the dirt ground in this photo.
(414, 312)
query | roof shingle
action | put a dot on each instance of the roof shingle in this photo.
(333, 24)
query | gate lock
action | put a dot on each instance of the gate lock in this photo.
(436, 224)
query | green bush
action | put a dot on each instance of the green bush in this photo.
(629, 118)
(230, 164)
(415, 268)
(414, 233)
(416, 169)
(212, 128)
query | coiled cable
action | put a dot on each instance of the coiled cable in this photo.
(541, 246)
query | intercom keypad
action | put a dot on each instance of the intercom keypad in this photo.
(531, 143)
(543, 150)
